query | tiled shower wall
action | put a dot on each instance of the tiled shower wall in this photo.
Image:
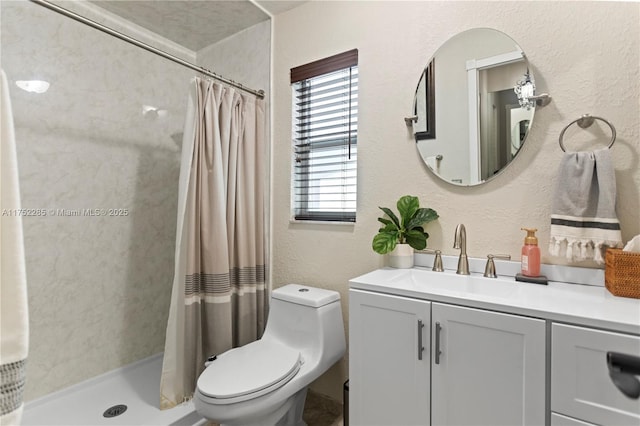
(99, 286)
(245, 56)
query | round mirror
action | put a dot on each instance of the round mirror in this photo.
(472, 110)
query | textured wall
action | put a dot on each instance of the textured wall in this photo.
(585, 54)
(99, 287)
(244, 57)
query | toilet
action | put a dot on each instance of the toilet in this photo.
(265, 382)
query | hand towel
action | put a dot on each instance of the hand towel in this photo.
(633, 245)
(14, 321)
(583, 219)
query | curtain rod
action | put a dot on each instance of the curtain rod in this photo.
(145, 46)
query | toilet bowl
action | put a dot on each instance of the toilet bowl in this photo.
(265, 382)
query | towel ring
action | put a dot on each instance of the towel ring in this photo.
(584, 122)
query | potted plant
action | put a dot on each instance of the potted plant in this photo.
(401, 235)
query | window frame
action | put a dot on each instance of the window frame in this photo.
(301, 75)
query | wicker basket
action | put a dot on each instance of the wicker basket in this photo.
(622, 273)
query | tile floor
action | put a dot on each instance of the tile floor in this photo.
(318, 411)
(322, 411)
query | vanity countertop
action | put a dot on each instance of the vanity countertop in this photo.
(586, 305)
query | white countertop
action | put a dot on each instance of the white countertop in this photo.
(586, 305)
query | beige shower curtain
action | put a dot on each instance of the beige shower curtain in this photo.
(219, 294)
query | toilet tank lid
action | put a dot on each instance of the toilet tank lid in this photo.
(305, 295)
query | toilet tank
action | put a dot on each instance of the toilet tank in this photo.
(309, 319)
(305, 295)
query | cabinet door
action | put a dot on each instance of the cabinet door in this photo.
(580, 383)
(388, 371)
(490, 370)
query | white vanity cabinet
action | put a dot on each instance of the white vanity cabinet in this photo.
(490, 369)
(487, 368)
(389, 359)
(496, 351)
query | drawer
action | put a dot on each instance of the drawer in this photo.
(580, 382)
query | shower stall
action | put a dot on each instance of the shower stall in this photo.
(99, 159)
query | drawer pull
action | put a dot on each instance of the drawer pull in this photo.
(622, 370)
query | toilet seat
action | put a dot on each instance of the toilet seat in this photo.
(249, 371)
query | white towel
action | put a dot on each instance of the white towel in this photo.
(633, 245)
(583, 219)
(14, 321)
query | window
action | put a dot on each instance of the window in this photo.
(325, 128)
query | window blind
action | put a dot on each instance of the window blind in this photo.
(325, 127)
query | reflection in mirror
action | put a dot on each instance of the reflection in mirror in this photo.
(424, 106)
(471, 101)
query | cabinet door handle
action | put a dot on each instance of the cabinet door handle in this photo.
(437, 348)
(420, 346)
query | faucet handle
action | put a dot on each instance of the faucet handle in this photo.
(490, 268)
(437, 262)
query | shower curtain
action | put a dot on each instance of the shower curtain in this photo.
(219, 298)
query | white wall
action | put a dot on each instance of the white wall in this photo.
(585, 54)
(99, 287)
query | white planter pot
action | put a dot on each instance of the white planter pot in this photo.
(401, 257)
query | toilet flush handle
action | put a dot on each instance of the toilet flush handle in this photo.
(210, 360)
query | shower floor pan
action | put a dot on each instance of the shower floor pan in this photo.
(136, 386)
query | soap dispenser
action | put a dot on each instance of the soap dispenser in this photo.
(530, 254)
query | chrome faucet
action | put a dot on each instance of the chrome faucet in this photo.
(460, 242)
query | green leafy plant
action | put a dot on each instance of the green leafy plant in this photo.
(404, 230)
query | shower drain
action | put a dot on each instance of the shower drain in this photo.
(114, 411)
